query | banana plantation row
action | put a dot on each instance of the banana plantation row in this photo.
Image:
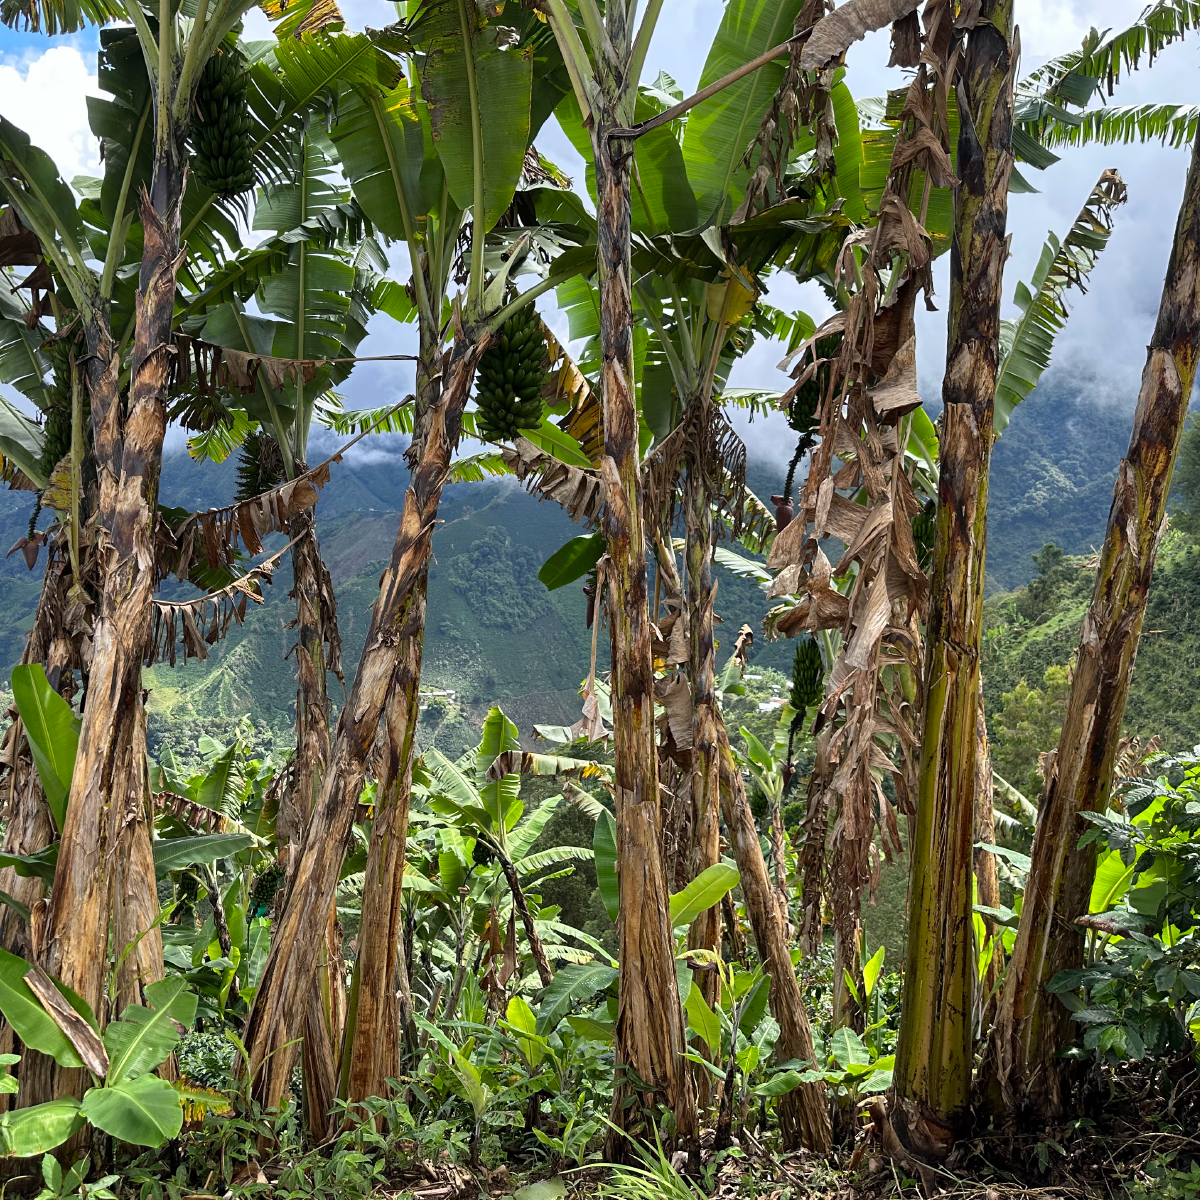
(260, 203)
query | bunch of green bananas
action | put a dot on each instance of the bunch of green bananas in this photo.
(266, 885)
(802, 411)
(510, 377)
(57, 444)
(221, 136)
(808, 674)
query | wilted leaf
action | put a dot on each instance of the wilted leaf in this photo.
(834, 34)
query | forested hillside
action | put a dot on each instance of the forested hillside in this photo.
(496, 635)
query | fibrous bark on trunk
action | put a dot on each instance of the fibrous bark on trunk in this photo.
(29, 826)
(704, 843)
(317, 652)
(380, 1027)
(704, 846)
(987, 878)
(399, 617)
(803, 1115)
(935, 1053)
(1022, 1077)
(650, 1032)
(108, 799)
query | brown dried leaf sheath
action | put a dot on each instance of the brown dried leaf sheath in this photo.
(77, 1031)
(834, 34)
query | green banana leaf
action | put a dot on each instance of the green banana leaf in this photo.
(386, 149)
(572, 561)
(53, 733)
(145, 1037)
(703, 892)
(145, 1111)
(719, 130)
(25, 1132)
(1027, 343)
(604, 847)
(499, 121)
(172, 854)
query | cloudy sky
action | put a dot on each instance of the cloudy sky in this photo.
(44, 84)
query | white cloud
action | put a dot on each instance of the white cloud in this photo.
(46, 96)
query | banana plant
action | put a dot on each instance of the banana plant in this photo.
(124, 1098)
(448, 139)
(1052, 102)
(313, 290)
(485, 840)
(1027, 341)
(174, 56)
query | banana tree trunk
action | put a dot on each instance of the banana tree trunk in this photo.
(314, 610)
(1023, 1075)
(935, 1053)
(41, 1079)
(108, 800)
(803, 1114)
(779, 855)
(380, 1027)
(137, 939)
(650, 1035)
(316, 629)
(399, 619)
(381, 1019)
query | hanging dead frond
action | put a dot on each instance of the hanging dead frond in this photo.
(836, 33)
(576, 490)
(208, 367)
(802, 99)
(706, 440)
(16, 479)
(211, 539)
(858, 493)
(188, 812)
(205, 620)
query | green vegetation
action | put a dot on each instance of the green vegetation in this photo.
(430, 816)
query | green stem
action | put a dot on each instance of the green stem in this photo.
(686, 330)
(166, 31)
(721, 329)
(478, 216)
(410, 234)
(183, 93)
(224, 18)
(302, 417)
(116, 245)
(41, 221)
(641, 45)
(147, 40)
(684, 380)
(528, 296)
(594, 24)
(289, 464)
(575, 57)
